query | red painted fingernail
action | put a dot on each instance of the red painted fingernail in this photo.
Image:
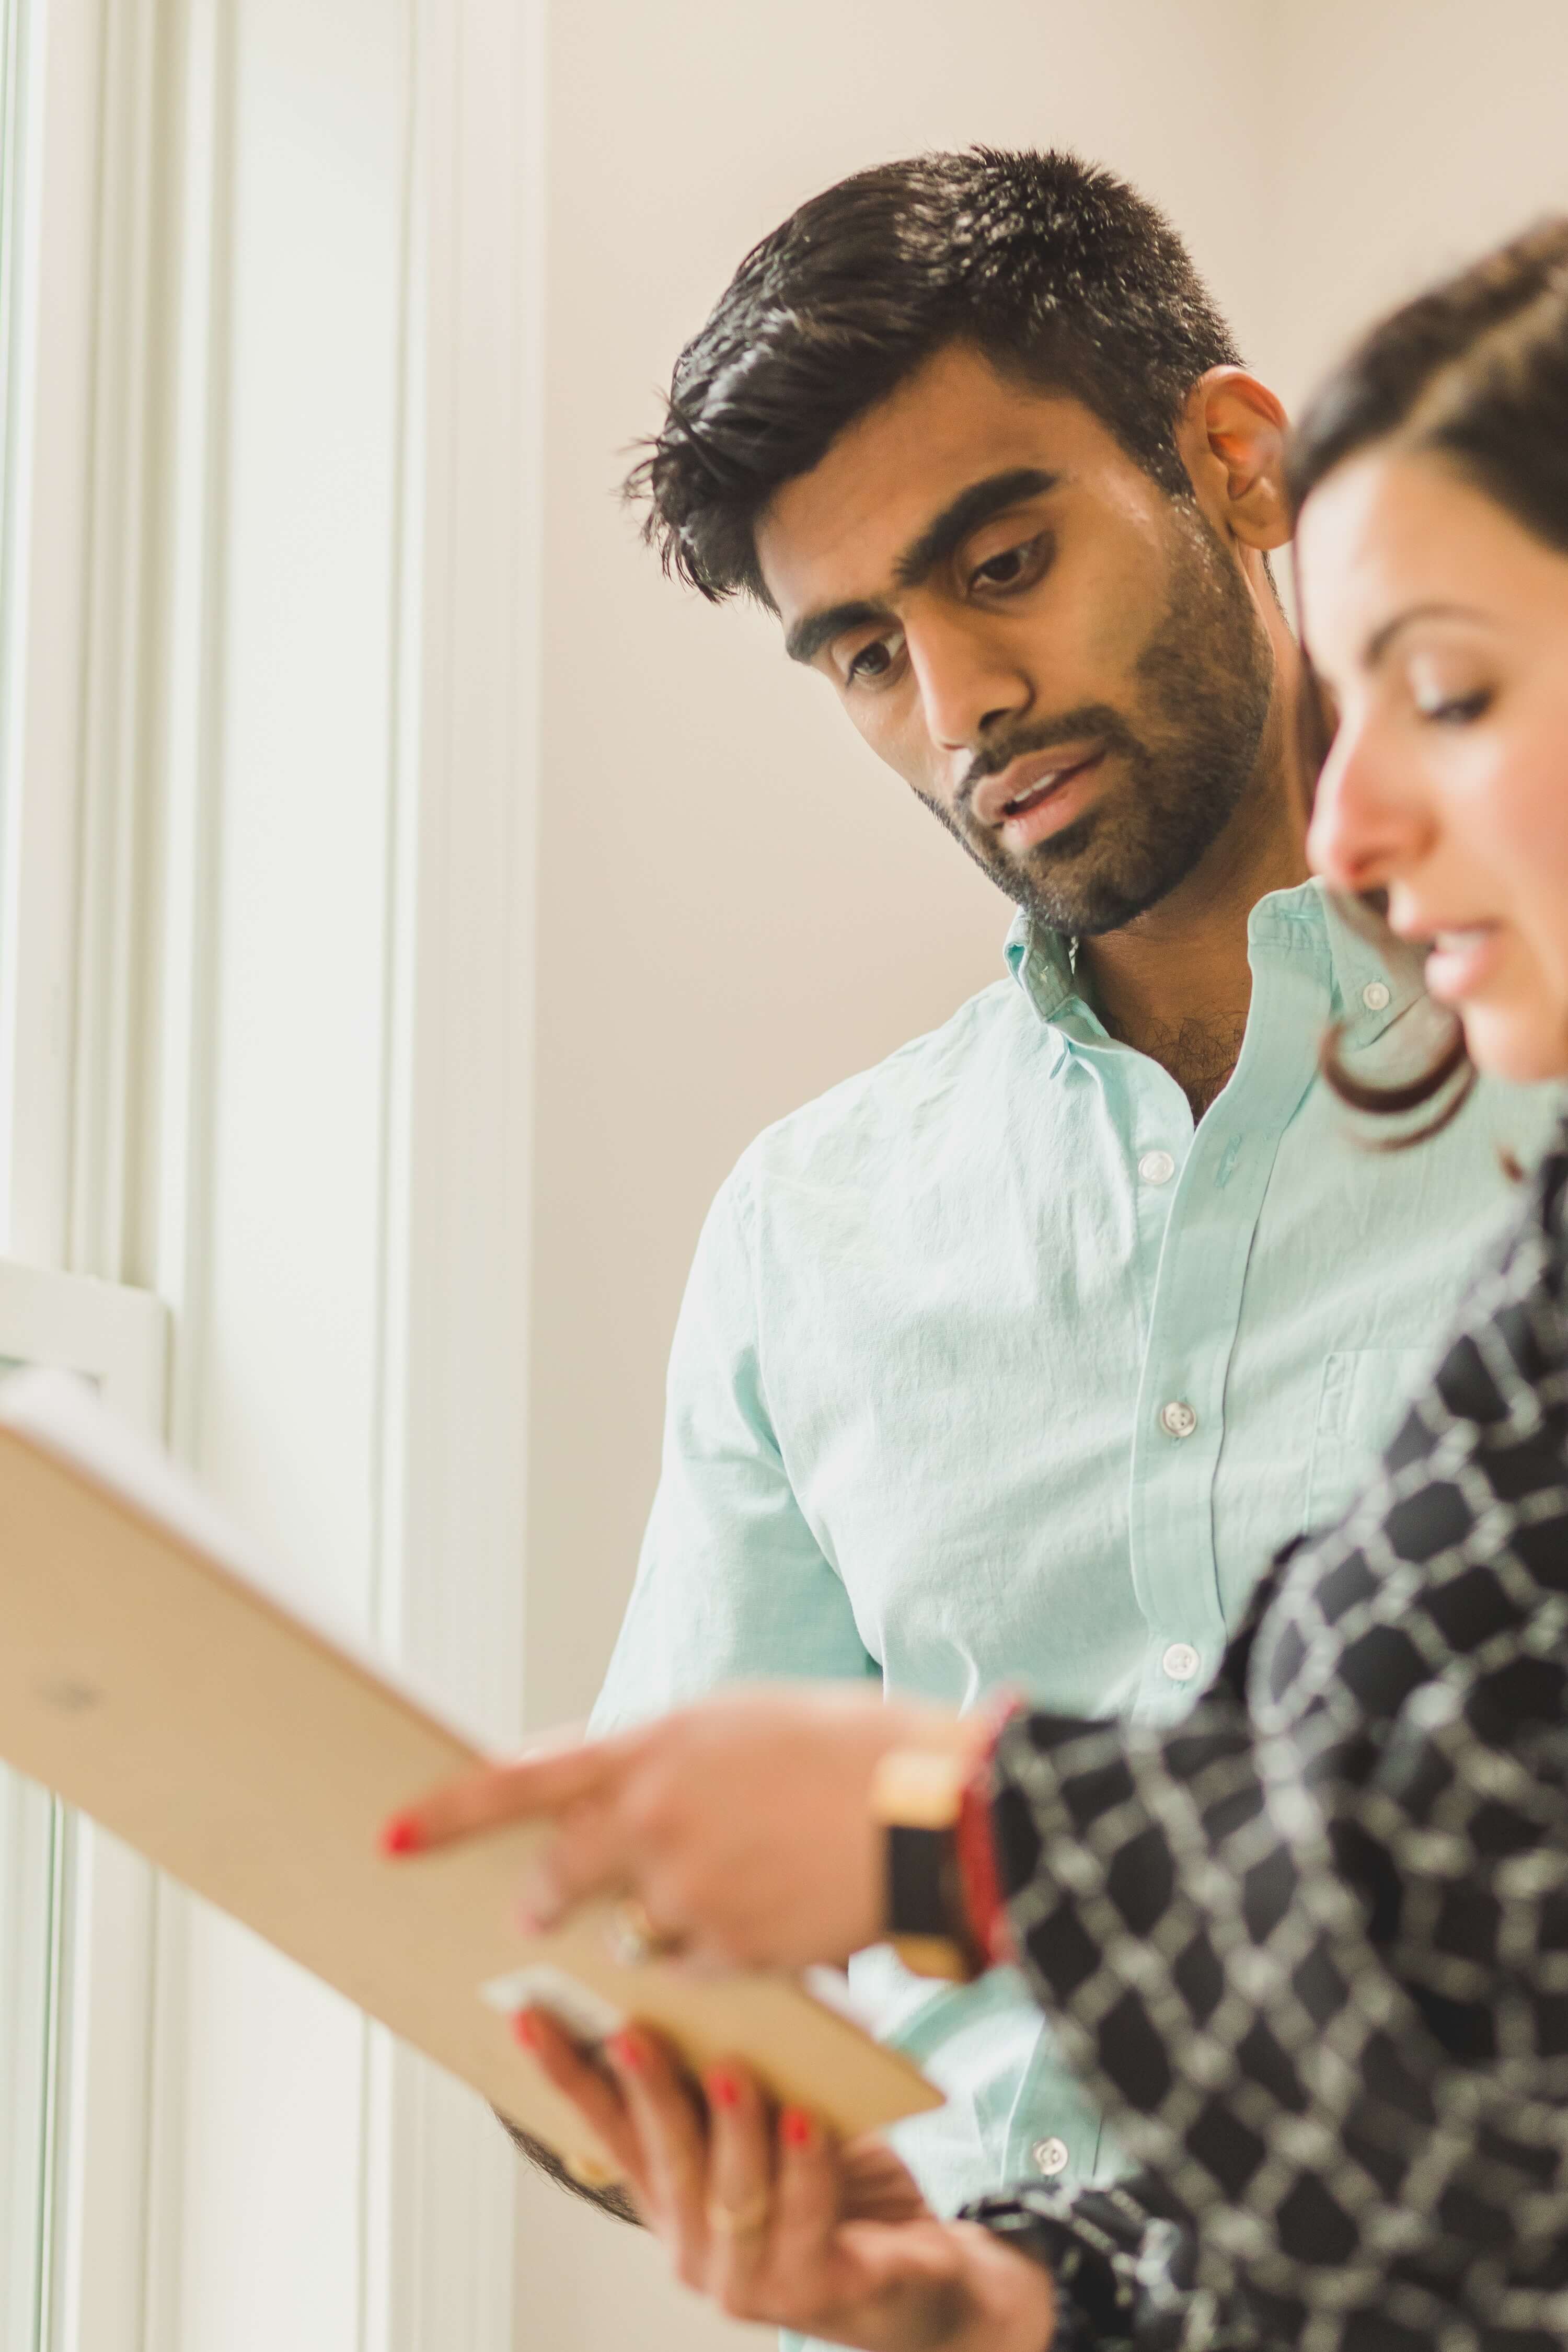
(401, 1834)
(626, 2050)
(525, 2025)
(723, 2089)
(795, 2127)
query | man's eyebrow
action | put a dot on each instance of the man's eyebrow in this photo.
(808, 636)
(966, 512)
(1377, 644)
(942, 535)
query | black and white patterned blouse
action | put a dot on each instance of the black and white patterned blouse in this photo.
(1309, 1949)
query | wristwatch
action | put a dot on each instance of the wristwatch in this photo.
(917, 1796)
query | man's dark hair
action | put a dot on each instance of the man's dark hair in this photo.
(1058, 272)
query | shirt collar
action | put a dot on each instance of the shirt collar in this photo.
(1043, 962)
(1371, 981)
(1367, 961)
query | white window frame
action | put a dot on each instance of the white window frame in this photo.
(82, 1909)
(78, 1908)
(112, 742)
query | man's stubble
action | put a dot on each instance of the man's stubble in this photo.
(1189, 753)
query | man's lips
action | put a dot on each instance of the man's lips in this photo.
(1040, 788)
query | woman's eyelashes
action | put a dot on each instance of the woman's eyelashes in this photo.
(1447, 692)
(1455, 709)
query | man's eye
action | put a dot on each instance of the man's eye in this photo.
(1012, 566)
(872, 661)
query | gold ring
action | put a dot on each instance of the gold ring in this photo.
(747, 2221)
(634, 1939)
(590, 2170)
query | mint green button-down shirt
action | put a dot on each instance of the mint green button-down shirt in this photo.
(994, 1370)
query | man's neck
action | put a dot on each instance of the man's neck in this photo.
(1175, 982)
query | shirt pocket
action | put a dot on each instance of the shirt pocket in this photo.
(1361, 1402)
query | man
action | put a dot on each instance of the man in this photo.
(1014, 1359)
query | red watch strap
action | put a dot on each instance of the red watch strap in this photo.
(974, 1845)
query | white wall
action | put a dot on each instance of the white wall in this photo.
(1402, 138)
(737, 905)
(740, 905)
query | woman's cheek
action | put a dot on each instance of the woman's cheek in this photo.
(1523, 1039)
(1522, 837)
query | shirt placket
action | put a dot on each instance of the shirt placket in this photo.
(1215, 1199)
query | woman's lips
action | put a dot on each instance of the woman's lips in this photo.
(1460, 963)
(1042, 809)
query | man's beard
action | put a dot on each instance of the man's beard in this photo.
(1204, 680)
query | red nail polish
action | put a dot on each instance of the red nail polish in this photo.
(723, 2089)
(525, 2025)
(795, 2128)
(626, 2050)
(401, 1834)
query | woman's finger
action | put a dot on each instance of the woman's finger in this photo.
(809, 2198)
(874, 2184)
(597, 2099)
(741, 2192)
(588, 1854)
(556, 1772)
(673, 2139)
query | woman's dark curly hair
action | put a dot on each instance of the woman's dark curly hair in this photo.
(1475, 374)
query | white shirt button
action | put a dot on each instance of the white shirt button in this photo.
(1050, 2157)
(1181, 1662)
(1376, 995)
(1178, 1419)
(1156, 1168)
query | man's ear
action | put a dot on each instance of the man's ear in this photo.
(1231, 435)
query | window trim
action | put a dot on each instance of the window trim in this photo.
(83, 1904)
(106, 1025)
(93, 1903)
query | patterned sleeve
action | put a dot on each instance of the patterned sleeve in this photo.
(1309, 1949)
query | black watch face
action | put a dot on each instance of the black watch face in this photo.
(919, 1882)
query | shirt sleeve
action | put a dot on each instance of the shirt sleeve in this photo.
(1309, 1949)
(731, 1584)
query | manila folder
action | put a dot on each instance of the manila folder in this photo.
(150, 1675)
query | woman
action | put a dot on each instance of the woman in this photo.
(1309, 1949)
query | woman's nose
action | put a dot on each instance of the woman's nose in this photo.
(1362, 832)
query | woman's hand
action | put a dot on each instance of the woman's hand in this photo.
(742, 1826)
(775, 2222)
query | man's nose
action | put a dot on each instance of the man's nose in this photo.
(1367, 825)
(969, 682)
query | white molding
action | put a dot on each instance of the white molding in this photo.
(28, 1832)
(117, 1336)
(100, 2188)
(126, 710)
(90, 1903)
(177, 1146)
(466, 1133)
(48, 524)
(104, 1995)
(80, 1904)
(117, 853)
(455, 1314)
